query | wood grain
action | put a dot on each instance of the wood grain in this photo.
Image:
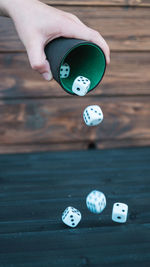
(141, 3)
(128, 74)
(36, 115)
(50, 121)
(69, 146)
(124, 29)
(37, 187)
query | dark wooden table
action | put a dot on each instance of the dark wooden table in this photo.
(36, 188)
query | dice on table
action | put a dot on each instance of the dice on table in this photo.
(71, 216)
(81, 85)
(96, 201)
(119, 212)
(93, 115)
(64, 71)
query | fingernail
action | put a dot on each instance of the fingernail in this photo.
(108, 60)
(47, 76)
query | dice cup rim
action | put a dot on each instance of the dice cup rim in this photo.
(85, 43)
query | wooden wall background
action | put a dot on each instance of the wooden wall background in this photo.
(36, 115)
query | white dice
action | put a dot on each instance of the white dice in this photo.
(96, 201)
(119, 212)
(81, 85)
(64, 71)
(93, 115)
(71, 216)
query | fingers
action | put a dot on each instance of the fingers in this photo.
(74, 18)
(38, 61)
(99, 40)
(76, 29)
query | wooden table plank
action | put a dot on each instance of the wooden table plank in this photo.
(128, 74)
(143, 3)
(36, 187)
(78, 145)
(125, 29)
(99, 246)
(28, 121)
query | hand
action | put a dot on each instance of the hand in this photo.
(37, 24)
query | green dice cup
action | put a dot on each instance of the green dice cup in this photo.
(84, 58)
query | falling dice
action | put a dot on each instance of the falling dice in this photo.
(93, 115)
(96, 201)
(81, 85)
(71, 216)
(64, 71)
(119, 212)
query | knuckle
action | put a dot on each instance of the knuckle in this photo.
(37, 65)
(72, 16)
(96, 34)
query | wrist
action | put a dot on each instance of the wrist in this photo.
(9, 7)
(4, 4)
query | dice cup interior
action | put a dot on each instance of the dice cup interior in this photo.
(84, 58)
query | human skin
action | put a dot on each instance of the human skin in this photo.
(37, 24)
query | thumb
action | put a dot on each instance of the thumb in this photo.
(38, 61)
